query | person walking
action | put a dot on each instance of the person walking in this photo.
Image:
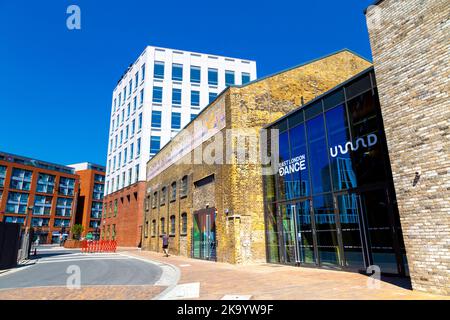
(165, 244)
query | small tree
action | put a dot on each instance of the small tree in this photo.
(77, 230)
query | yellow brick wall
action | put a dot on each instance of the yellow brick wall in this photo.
(238, 187)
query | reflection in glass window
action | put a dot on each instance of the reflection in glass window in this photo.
(177, 72)
(64, 207)
(229, 78)
(17, 202)
(45, 183)
(155, 143)
(2, 175)
(19, 220)
(299, 185)
(21, 179)
(156, 119)
(245, 77)
(195, 74)
(96, 210)
(66, 186)
(318, 155)
(42, 205)
(338, 135)
(176, 120)
(176, 96)
(99, 190)
(157, 94)
(212, 76)
(195, 98)
(40, 222)
(61, 223)
(159, 70)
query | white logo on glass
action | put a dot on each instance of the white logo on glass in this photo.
(372, 139)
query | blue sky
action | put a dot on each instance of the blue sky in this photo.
(56, 84)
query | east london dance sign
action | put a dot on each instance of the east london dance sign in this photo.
(292, 165)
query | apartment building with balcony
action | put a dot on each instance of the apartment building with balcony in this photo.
(39, 195)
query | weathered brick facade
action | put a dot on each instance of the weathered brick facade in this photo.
(236, 192)
(410, 44)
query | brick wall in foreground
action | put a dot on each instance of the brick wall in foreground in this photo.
(411, 57)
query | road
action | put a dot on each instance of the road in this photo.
(53, 266)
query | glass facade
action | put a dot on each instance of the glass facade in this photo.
(21, 179)
(331, 202)
(66, 186)
(45, 183)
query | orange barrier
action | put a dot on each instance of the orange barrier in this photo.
(91, 246)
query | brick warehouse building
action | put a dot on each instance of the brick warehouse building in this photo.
(38, 195)
(409, 41)
(90, 198)
(215, 211)
(123, 215)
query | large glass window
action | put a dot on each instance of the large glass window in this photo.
(299, 186)
(159, 70)
(21, 179)
(212, 77)
(155, 143)
(229, 78)
(61, 223)
(45, 183)
(212, 96)
(96, 210)
(245, 77)
(42, 205)
(66, 186)
(99, 189)
(19, 220)
(172, 225)
(176, 120)
(195, 98)
(64, 207)
(326, 230)
(99, 178)
(176, 96)
(40, 222)
(157, 94)
(368, 161)
(2, 175)
(318, 155)
(338, 136)
(156, 119)
(339, 211)
(17, 202)
(177, 72)
(195, 74)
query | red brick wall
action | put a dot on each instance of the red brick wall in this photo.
(87, 182)
(32, 194)
(129, 217)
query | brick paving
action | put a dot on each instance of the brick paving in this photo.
(260, 281)
(144, 292)
(267, 281)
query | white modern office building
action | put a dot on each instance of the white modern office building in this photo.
(162, 91)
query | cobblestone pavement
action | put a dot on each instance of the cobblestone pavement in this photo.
(267, 281)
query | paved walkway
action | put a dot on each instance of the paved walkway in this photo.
(213, 280)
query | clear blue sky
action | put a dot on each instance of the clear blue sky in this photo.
(56, 84)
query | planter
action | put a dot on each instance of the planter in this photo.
(72, 243)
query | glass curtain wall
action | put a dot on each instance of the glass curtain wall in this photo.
(332, 203)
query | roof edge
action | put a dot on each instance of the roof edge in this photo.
(377, 2)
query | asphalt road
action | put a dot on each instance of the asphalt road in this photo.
(54, 266)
